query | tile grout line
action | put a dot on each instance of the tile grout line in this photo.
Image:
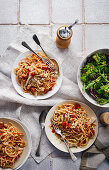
(83, 40)
(96, 23)
(83, 12)
(83, 28)
(99, 23)
(58, 24)
(50, 16)
(51, 162)
(18, 13)
(18, 16)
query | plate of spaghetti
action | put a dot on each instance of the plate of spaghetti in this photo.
(15, 143)
(33, 79)
(77, 122)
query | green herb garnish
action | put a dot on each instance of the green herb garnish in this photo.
(95, 77)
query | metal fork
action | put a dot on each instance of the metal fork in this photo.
(36, 39)
(58, 131)
(45, 60)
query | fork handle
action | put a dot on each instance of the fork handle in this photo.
(29, 48)
(35, 38)
(74, 158)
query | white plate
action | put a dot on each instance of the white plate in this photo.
(55, 141)
(80, 84)
(26, 137)
(28, 95)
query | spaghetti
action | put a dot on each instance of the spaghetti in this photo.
(74, 124)
(11, 145)
(34, 76)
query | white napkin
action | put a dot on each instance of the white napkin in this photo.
(29, 115)
(70, 62)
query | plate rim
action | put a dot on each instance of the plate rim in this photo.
(24, 127)
(18, 88)
(74, 101)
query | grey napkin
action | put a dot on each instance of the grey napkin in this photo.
(94, 156)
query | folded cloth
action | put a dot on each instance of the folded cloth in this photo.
(94, 156)
(70, 61)
(69, 89)
(29, 115)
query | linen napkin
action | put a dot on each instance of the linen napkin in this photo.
(69, 60)
(94, 156)
(29, 114)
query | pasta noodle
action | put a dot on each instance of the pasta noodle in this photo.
(34, 76)
(11, 145)
(74, 124)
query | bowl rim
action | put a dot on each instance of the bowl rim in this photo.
(28, 137)
(87, 97)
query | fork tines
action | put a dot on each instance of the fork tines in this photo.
(55, 127)
(50, 65)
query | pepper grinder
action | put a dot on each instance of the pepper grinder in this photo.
(64, 34)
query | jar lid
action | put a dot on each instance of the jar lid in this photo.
(64, 32)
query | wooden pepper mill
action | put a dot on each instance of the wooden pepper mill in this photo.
(63, 36)
(104, 118)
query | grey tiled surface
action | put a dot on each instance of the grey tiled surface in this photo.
(96, 37)
(63, 164)
(32, 165)
(46, 16)
(91, 33)
(104, 165)
(96, 11)
(66, 11)
(34, 12)
(8, 11)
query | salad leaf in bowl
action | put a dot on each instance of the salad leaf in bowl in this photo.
(93, 77)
